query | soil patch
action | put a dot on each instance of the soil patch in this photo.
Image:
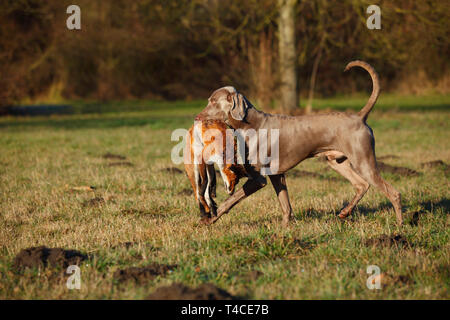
(94, 202)
(388, 241)
(401, 171)
(127, 245)
(144, 274)
(433, 164)
(112, 156)
(402, 279)
(437, 164)
(178, 291)
(42, 257)
(300, 245)
(173, 170)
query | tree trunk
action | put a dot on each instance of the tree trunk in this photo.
(312, 83)
(261, 70)
(287, 53)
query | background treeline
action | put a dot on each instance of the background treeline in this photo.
(185, 49)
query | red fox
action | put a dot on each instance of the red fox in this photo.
(206, 144)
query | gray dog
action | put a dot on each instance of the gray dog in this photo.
(345, 140)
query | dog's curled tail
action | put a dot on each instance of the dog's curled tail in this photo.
(364, 113)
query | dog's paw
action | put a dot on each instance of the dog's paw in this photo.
(343, 215)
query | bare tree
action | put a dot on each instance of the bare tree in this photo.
(321, 26)
(287, 55)
(312, 82)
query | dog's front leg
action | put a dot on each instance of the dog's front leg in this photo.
(250, 187)
(279, 184)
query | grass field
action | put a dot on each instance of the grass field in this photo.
(145, 214)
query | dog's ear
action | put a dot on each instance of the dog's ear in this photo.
(239, 106)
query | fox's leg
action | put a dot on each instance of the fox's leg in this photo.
(201, 181)
(210, 186)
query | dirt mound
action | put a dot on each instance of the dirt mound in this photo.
(437, 164)
(98, 201)
(401, 171)
(388, 241)
(141, 275)
(127, 245)
(178, 291)
(173, 170)
(112, 156)
(42, 257)
(402, 279)
(434, 164)
(94, 202)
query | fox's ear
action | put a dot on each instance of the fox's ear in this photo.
(239, 106)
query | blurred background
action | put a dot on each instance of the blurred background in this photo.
(183, 50)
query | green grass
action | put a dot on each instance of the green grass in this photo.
(386, 102)
(317, 257)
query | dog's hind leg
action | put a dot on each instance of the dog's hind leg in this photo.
(343, 167)
(374, 178)
(365, 165)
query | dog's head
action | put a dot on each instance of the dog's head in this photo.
(224, 103)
